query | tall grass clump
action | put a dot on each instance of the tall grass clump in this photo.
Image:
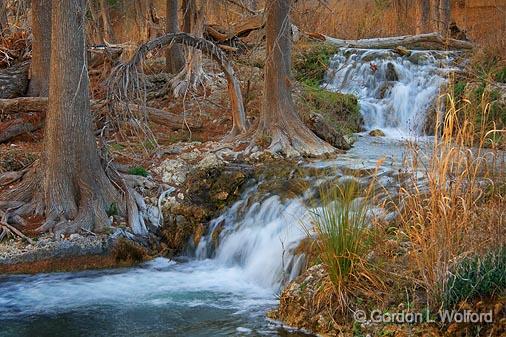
(457, 210)
(343, 240)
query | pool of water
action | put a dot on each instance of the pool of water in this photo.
(160, 298)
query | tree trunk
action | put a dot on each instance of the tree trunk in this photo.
(4, 23)
(77, 191)
(106, 22)
(444, 16)
(279, 120)
(98, 32)
(41, 48)
(188, 7)
(423, 17)
(174, 55)
(192, 76)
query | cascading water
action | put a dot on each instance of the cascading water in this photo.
(259, 236)
(395, 92)
(250, 250)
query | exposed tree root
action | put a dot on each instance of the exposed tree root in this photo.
(66, 215)
(191, 77)
(290, 144)
(126, 83)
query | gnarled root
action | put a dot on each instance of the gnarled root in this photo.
(82, 208)
(191, 77)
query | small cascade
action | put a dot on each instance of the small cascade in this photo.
(396, 93)
(260, 234)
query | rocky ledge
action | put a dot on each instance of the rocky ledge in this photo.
(78, 252)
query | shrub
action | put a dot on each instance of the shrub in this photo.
(311, 62)
(138, 171)
(477, 277)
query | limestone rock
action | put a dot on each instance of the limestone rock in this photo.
(377, 133)
(330, 134)
(173, 171)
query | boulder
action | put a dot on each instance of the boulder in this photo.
(173, 171)
(391, 73)
(377, 133)
(330, 134)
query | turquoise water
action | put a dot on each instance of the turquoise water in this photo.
(160, 298)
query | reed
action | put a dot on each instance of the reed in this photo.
(457, 212)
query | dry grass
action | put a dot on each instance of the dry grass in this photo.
(343, 244)
(460, 210)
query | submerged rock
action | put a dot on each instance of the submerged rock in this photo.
(391, 73)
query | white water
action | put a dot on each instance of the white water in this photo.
(259, 238)
(398, 106)
(227, 288)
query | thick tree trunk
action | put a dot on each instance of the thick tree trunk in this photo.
(279, 120)
(4, 23)
(434, 39)
(41, 48)
(423, 17)
(174, 55)
(106, 22)
(98, 32)
(77, 191)
(444, 16)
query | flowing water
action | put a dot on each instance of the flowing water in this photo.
(230, 280)
(396, 93)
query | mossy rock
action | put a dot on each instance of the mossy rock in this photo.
(128, 251)
(311, 61)
(207, 193)
(339, 111)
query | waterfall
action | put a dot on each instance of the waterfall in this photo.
(396, 93)
(260, 236)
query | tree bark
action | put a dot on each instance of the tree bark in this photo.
(77, 191)
(444, 16)
(423, 17)
(41, 48)
(96, 18)
(279, 121)
(4, 23)
(14, 80)
(106, 22)
(174, 55)
(193, 74)
(406, 41)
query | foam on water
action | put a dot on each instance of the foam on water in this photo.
(395, 92)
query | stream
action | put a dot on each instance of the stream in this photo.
(226, 289)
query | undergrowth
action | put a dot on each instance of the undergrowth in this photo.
(458, 209)
(343, 241)
(476, 277)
